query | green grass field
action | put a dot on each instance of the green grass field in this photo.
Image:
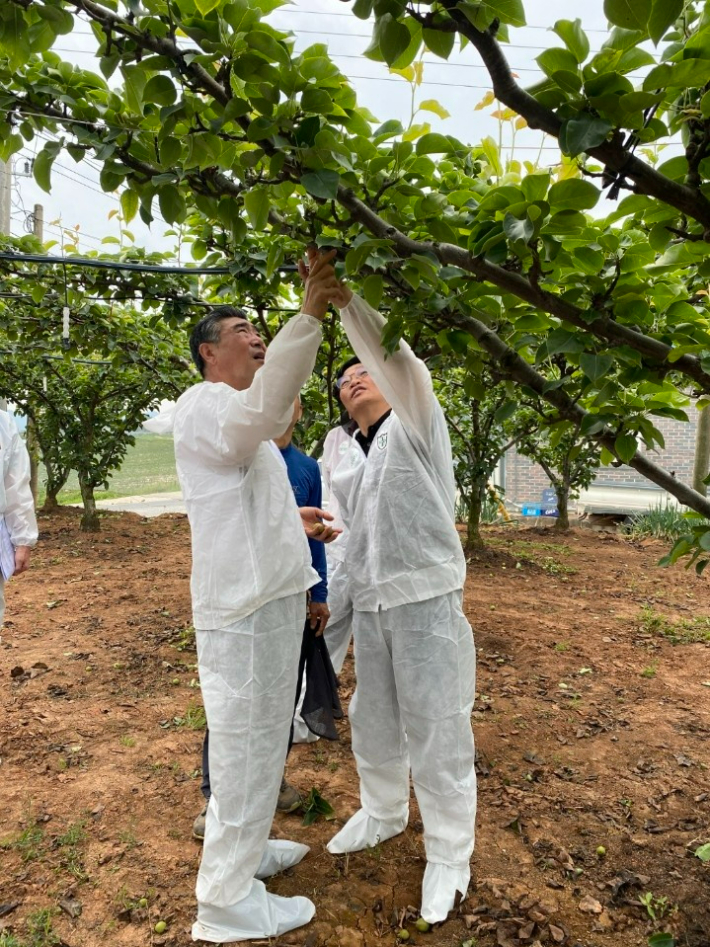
(149, 467)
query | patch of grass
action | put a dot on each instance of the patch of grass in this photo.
(685, 631)
(561, 647)
(70, 845)
(660, 522)
(9, 940)
(27, 842)
(40, 929)
(184, 639)
(128, 741)
(194, 718)
(553, 567)
(148, 467)
(128, 838)
(650, 671)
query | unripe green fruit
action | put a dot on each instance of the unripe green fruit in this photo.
(160, 927)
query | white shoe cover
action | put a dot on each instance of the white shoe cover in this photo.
(301, 733)
(279, 855)
(439, 887)
(363, 831)
(258, 916)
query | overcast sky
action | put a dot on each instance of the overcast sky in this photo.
(458, 84)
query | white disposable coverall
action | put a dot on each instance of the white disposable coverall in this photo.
(338, 631)
(16, 503)
(250, 570)
(414, 651)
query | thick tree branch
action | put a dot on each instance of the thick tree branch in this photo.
(602, 326)
(613, 154)
(523, 373)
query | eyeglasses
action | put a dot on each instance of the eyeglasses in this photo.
(347, 380)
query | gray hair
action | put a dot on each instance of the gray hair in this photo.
(208, 329)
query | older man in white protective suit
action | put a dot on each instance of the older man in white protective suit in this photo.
(251, 567)
(414, 651)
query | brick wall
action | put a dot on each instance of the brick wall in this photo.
(525, 481)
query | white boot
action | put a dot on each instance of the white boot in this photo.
(256, 917)
(439, 887)
(364, 831)
(279, 855)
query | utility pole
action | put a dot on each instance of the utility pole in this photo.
(5, 196)
(38, 222)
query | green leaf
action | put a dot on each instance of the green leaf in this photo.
(438, 42)
(703, 853)
(206, 6)
(321, 183)
(595, 367)
(557, 60)
(490, 150)
(362, 9)
(316, 100)
(172, 203)
(574, 38)
(431, 105)
(434, 143)
(372, 289)
(518, 229)
(625, 446)
(583, 132)
(506, 411)
(573, 194)
(129, 204)
(628, 14)
(160, 89)
(661, 939)
(42, 168)
(134, 79)
(269, 47)
(509, 11)
(394, 39)
(664, 13)
(257, 205)
(535, 186)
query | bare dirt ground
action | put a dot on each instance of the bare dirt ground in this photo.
(592, 725)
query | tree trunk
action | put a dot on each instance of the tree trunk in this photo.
(474, 540)
(701, 466)
(50, 501)
(562, 491)
(90, 520)
(33, 451)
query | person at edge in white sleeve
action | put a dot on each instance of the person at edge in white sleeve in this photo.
(414, 652)
(18, 524)
(250, 571)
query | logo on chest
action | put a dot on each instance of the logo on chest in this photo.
(381, 441)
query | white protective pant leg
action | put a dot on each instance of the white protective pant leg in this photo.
(416, 681)
(337, 638)
(2, 601)
(248, 678)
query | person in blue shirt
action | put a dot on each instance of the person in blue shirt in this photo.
(304, 477)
